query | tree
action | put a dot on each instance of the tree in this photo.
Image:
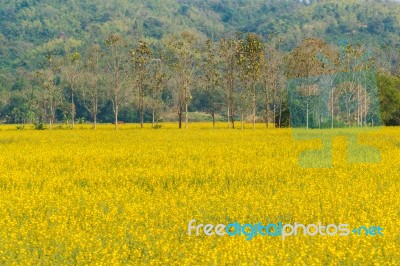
(228, 50)
(141, 57)
(49, 93)
(93, 89)
(351, 95)
(184, 59)
(117, 73)
(250, 56)
(158, 77)
(389, 97)
(71, 73)
(304, 62)
(273, 80)
(211, 79)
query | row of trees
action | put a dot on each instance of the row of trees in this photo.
(238, 78)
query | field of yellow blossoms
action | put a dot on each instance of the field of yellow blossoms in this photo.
(110, 197)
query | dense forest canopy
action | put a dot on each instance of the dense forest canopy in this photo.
(32, 31)
(30, 27)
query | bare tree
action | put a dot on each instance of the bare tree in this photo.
(304, 62)
(158, 78)
(251, 54)
(49, 95)
(141, 56)
(183, 50)
(71, 73)
(211, 77)
(228, 52)
(272, 79)
(93, 89)
(356, 100)
(117, 70)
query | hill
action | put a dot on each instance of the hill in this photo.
(32, 27)
(32, 30)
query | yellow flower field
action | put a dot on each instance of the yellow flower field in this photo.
(110, 197)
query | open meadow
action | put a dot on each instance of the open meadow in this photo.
(125, 197)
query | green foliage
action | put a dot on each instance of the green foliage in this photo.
(81, 120)
(34, 32)
(29, 29)
(389, 94)
(39, 126)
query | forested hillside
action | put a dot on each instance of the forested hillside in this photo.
(36, 25)
(32, 32)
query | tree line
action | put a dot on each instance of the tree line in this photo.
(234, 79)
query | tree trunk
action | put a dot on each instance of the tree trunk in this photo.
(274, 101)
(332, 102)
(359, 114)
(213, 118)
(186, 85)
(267, 107)
(72, 108)
(141, 106)
(280, 113)
(186, 115)
(180, 115)
(229, 116)
(153, 117)
(141, 118)
(254, 106)
(94, 121)
(51, 118)
(365, 108)
(320, 120)
(242, 120)
(116, 117)
(231, 122)
(307, 115)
